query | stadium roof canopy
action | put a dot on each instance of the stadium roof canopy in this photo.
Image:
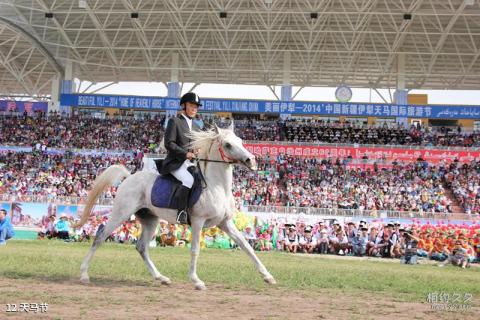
(329, 42)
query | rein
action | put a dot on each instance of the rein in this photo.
(219, 161)
(222, 154)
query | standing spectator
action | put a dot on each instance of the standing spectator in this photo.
(6, 228)
(411, 243)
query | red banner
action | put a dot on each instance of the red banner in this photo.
(358, 153)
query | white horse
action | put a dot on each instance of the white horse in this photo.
(215, 206)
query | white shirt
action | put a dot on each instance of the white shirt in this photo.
(249, 235)
(189, 121)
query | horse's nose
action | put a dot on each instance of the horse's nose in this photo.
(251, 163)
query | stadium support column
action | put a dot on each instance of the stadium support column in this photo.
(173, 87)
(286, 89)
(401, 95)
(286, 95)
(67, 86)
(54, 104)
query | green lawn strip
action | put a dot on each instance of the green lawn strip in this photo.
(121, 264)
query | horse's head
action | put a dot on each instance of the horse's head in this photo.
(231, 149)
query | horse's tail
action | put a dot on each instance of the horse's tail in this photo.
(107, 178)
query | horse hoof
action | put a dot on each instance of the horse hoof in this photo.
(200, 286)
(270, 280)
(85, 280)
(166, 281)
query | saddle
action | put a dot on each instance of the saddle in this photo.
(165, 187)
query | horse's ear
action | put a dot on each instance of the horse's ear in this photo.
(216, 128)
(232, 126)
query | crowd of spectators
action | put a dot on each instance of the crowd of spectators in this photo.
(457, 244)
(315, 131)
(464, 181)
(393, 134)
(129, 133)
(83, 132)
(282, 180)
(446, 243)
(54, 227)
(56, 175)
(322, 183)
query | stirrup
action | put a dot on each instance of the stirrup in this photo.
(182, 217)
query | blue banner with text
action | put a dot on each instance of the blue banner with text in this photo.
(265, 106)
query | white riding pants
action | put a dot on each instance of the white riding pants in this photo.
(183, 175)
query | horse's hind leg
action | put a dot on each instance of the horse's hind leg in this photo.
(116, 219)
(149, 224)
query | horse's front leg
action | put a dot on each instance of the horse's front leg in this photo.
(229, 228)
(197, 225)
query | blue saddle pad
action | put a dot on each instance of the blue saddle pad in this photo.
(163, 191)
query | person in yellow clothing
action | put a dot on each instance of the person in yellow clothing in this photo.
(425, 245)
(135, 230)
(439, 251)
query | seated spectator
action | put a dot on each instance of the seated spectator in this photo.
(169, 238)
(425, 245)
(384, 245)
(183, 234)
(62, 227)
(322, 239)
(459, 256)
(6, 228)
(250, 236)
(341, 246)
(48, 229)
(265, 238)
(373, 240)
(360, 242)
(307, 242)
(292, 240)
(332, 236)
(439, 251)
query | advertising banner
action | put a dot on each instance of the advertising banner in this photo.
(278, 107)
(388, 154)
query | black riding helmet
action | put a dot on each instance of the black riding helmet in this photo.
(190, 97)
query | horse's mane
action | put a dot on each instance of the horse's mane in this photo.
(203, 139)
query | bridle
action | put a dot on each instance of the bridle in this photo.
(225, 158)
(222, 154)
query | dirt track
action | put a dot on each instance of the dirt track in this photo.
(72, 300)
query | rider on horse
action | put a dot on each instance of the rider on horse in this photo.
(179, 158)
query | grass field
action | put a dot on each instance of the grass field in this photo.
(51, 262)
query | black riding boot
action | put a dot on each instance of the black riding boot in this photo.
(182, 202)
